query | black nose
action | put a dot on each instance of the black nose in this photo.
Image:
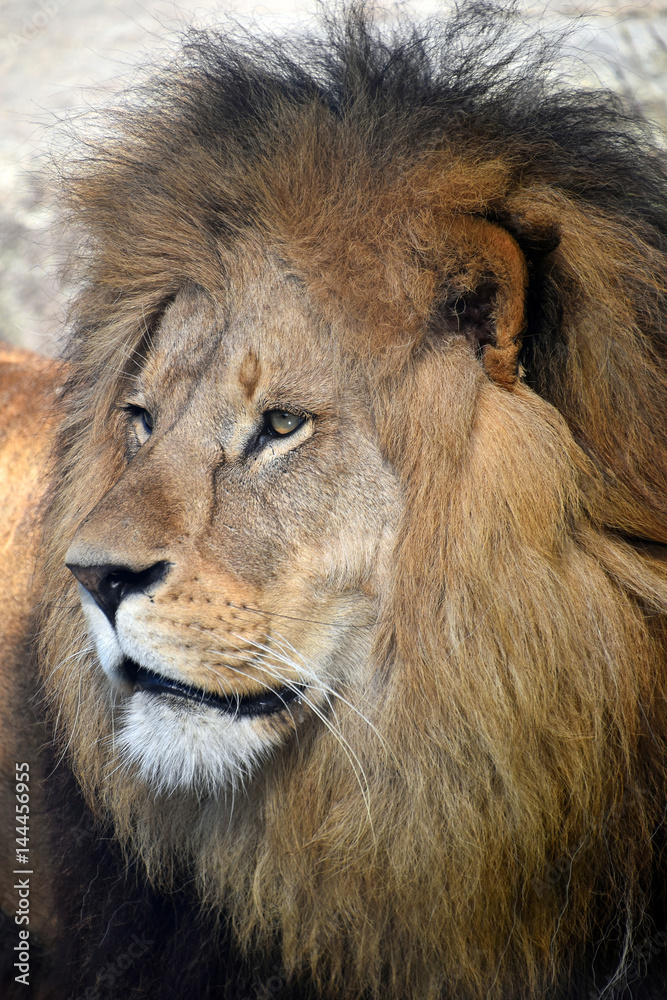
(108, 585)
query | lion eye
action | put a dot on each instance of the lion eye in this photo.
(141, 421)
(281, 422)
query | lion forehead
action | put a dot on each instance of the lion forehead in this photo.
(247, 347)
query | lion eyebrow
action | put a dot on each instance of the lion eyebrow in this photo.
(249, 373)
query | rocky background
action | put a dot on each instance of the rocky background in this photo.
(61, 58)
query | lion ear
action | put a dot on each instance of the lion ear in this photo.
(486, 300)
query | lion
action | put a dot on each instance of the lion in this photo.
(336, 644)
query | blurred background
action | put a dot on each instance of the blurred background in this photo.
(61, 58)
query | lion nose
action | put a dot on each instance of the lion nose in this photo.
(108, 585)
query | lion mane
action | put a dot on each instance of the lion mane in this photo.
(479, 809)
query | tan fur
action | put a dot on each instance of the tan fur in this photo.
(463, 560)
(27, 392)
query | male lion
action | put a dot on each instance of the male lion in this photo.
(341, 668)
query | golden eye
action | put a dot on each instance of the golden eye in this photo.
(282, 423)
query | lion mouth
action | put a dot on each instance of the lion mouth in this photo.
(248, 706)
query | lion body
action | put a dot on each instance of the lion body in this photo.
(361, 472)
(26, 436)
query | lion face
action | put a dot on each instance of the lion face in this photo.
(230, 576)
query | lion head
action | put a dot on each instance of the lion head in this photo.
(234, 569)
(362, 488)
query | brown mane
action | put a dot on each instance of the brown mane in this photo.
(492, 814)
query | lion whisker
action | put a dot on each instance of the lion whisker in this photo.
(353, 759)
(317, 681)
(78, 653)
(306, 672)
(285, 683)
(305, 621)
(347, 749)
(72, 733)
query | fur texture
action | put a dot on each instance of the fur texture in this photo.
(476, 258)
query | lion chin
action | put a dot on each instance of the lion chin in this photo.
(336, 615)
